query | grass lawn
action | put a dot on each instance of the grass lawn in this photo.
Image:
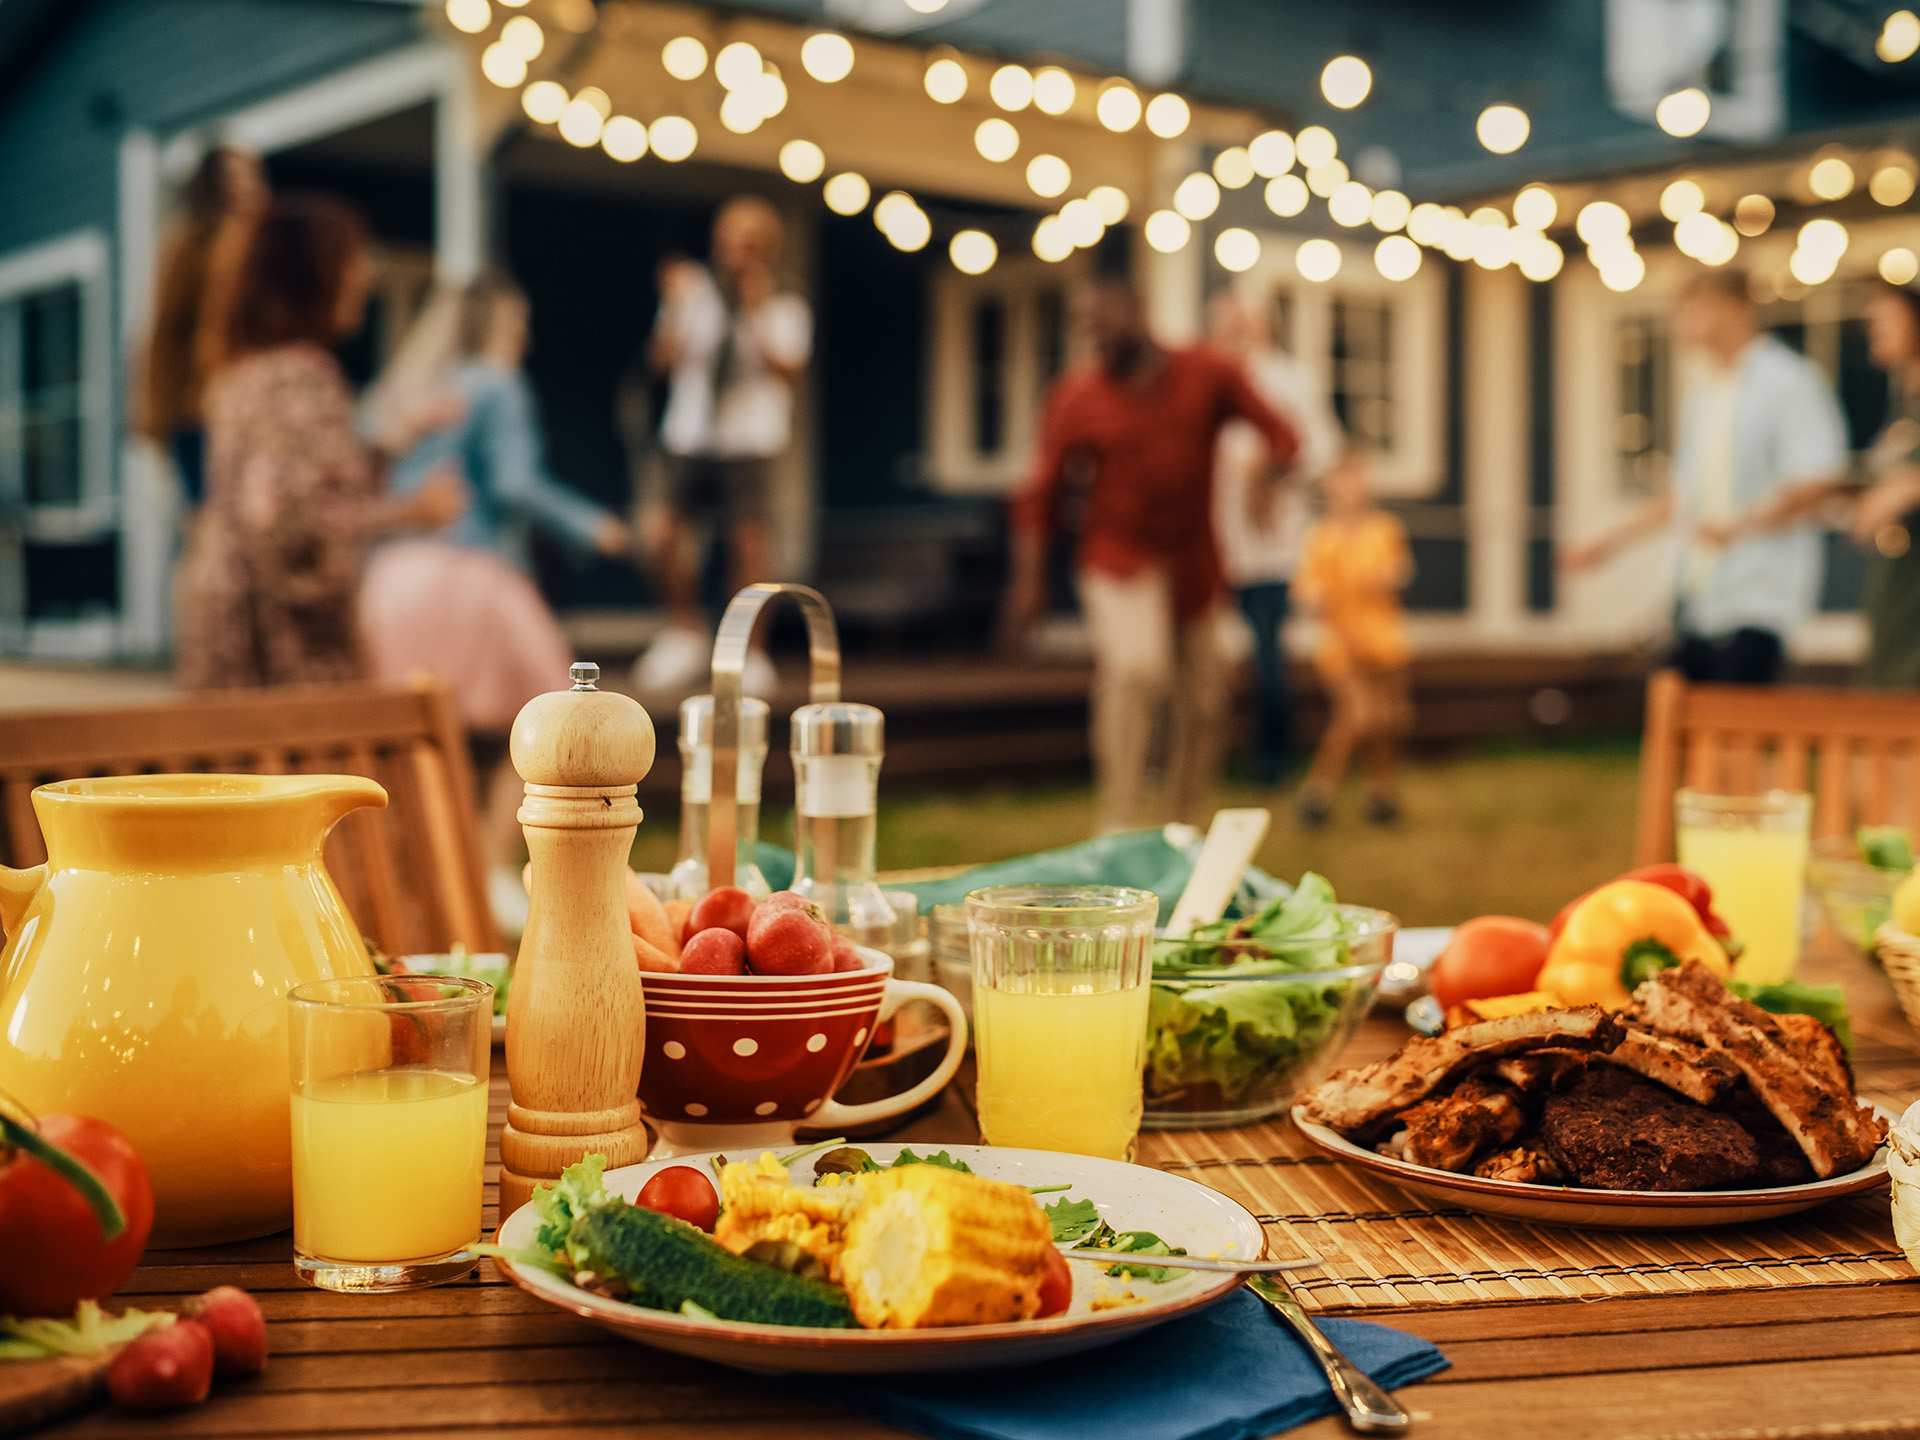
(1491, 830)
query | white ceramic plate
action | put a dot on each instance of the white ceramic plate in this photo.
(1601, 1209)
(1130, 1197)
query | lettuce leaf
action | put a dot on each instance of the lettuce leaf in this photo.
(1825, 1003)
(579, 1189)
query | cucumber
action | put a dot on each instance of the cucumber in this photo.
(666, 1262)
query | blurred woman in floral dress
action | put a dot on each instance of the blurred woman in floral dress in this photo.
(294, 494)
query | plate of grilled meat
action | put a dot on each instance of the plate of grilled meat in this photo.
(1689, 1107)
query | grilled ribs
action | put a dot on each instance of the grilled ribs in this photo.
(1527, 1164)
(1358, 1102)
(1794, 1077)
(1682, 1066)
(1449, 1131)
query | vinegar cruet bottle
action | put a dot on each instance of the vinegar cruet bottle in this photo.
(689, 880)
(836, 770)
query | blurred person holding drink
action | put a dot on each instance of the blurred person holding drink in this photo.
(1260, 543)
(1141, 424)
(294, 494)
(1758, 425)
(732, 345)
(1357, 562)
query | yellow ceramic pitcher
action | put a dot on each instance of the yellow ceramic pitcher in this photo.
(144, 971)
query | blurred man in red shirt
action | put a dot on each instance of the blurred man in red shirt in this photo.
(1136, 431)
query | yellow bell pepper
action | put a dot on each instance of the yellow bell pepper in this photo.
(1621, 934)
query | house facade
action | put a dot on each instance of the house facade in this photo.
(1504, 412)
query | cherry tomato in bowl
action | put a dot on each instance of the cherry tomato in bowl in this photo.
(684, 1193)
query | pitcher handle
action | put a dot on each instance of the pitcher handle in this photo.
(17, 889)
(835, 1116)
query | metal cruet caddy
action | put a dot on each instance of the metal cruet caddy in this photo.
(689, 880)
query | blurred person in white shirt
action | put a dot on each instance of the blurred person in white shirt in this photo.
(731, 344)
(1758, 426)
(1260, 526)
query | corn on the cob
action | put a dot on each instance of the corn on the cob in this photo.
(929, 1247)
(759, 1202)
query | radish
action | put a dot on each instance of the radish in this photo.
(164, 1369)
(232, 1319)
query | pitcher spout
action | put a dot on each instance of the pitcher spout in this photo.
(330, 797)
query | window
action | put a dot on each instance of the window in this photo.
(989, 356)
(42, 409)
(1643, 430)
(1361, 370)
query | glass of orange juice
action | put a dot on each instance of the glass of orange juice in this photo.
(1060, 1014)
(389, 1128)
(1752, 851)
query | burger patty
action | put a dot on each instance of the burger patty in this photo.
(1611, 1130)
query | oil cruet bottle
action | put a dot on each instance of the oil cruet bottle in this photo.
(689, 879)
(836, 770)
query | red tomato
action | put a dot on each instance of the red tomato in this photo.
(1056, 1286)
(1493, 955)
(54, 1253)
(684, 1193)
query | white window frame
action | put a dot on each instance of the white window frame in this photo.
(78, 258)
(956, 466)
(1414, 468)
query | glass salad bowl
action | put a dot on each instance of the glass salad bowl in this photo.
(1238, 1027)
(1855, 897)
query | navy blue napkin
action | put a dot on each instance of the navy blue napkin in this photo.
(1232, 1372)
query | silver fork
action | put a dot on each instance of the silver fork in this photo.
(1369, 1409)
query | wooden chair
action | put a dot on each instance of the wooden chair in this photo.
(411, 874)
(1856, 751)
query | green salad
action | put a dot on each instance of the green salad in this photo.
(1232, 1025)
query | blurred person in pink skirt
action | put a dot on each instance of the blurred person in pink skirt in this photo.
(459, 604)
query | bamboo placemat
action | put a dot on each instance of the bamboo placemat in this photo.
(1387, 1248)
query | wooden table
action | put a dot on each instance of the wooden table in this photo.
(481, 1359)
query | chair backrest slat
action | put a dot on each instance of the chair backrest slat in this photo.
(1855, 750)
(411, 875)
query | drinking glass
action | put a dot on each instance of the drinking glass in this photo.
(1060, 1014)
(1752, 851)
(389, 1128)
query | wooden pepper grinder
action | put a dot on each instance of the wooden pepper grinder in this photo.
(575, 1017)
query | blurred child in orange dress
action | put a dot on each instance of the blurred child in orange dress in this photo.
(1356, 564)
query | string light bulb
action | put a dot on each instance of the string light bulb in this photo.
(1831, 178)
(1535, 207)
(802, 161)
(470, 17)
(523, 35)
(1233, 167)
(1236, 249)
(910, 230)
(1694, 234)
(1351, 204)
(1168, 116)
(1899, 37)
(972, 251)
(1811, 267)
(1082, 221)
(1539, 258)
(1682, 198)
(1118, 106)
(1011, 87)
(1317, 260)
(946, 81)
(996, 140)
(1323, 180)
(1272, 153)
(740, 112)
(1623, 272)
(1891, 184)
(827, 56)
(1503, 128)
(1315, 145)
(1752, 214)
(737, 64)
(1111, 202)
(1396, 258)
(845, 194)
(1390, 210)
(890, 207)
(672, 138)
(1600, 221)
(1346, 81)
(1823, 237)
(1899, 266)
(1426, 223)
(1051, 241)
(543, 101)
(1048, 175)
(1197, 196)
(504, 67)
(1053, 90)
(1682, 114)
(1168, 231)
(581, 122)
(684, 58)
(1287, 195)
(624, 138)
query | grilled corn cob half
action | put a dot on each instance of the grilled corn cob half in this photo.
(759, 1202)
(928, 1247)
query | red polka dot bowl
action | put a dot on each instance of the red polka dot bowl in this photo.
(738, 1061)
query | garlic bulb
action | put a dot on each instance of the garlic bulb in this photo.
(1903, 1165)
